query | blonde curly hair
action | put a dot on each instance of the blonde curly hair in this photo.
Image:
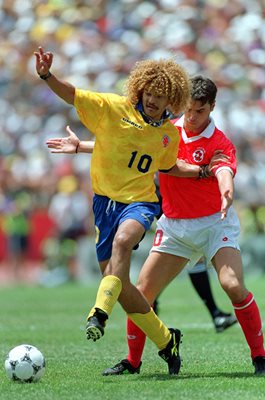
(166, 77)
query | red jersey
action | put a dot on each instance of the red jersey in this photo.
(192, 197)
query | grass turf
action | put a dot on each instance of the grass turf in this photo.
(215, 366)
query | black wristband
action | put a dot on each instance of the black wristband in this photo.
(204, 171)
(45, 77)
(77, 147)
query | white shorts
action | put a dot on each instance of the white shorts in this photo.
(197, 237)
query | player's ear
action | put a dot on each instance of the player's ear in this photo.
(212, 106)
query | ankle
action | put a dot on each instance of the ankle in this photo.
(101, 315)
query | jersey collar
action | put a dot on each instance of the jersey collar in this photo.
(207, 133)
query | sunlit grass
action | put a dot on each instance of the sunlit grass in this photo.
(215, 366)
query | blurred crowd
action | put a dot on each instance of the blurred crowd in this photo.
(45, 199)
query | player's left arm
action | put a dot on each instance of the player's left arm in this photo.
(224, 173)
(226, 187)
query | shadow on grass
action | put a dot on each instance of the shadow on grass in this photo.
(164, 377)
(204, 375)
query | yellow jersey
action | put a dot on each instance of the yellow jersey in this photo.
(128, 151)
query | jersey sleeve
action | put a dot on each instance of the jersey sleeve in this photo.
(91, 108)
(228, 149)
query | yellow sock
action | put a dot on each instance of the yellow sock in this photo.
(108, 293)
(153, 327)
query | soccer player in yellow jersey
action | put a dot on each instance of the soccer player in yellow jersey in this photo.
(134, 138)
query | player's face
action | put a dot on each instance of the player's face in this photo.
(154, 105)
(196, 117)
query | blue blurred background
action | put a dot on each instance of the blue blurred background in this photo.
(46, 222)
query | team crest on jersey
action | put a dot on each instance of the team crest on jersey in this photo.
(166, 140)
(198, 155)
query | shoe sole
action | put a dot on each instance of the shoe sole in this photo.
(124, 372)
(94, 333)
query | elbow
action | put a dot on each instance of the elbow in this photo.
(70, 97)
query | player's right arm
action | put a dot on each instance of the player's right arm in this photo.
(70, 144)
(63, 89)
(185, 170)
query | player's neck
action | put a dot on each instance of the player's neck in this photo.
(195, 132)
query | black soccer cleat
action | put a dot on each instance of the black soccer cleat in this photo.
(171, 353)
(96, 324)
(259, 364)
(223, 321)
(123, 367)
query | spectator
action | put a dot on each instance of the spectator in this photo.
(225, 40)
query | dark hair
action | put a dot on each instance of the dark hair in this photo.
(203, 89)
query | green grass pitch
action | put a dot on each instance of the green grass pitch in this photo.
(215, 366)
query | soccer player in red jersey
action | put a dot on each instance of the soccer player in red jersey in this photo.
(199, 278)
(198, 220)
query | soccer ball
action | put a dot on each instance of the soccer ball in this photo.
(25, 363)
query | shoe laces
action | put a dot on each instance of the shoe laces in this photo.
(174, 350)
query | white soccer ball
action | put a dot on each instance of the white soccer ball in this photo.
(25, 363)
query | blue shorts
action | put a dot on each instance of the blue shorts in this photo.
(109, 214)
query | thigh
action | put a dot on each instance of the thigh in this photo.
(223, 234)
(157, 272)
(129, 233)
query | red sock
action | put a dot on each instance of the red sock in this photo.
(136, 341)
(248, 316)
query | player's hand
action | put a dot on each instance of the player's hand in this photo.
(217, 158)
(64, 145)
(43, 61)
(226, 202)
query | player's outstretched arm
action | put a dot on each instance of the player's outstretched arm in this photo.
(70, 144)
(226, 187)
(63, 89)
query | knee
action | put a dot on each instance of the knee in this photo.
(235, 289)
(121, 242)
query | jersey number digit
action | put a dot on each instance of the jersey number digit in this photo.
(143, 163)
(158, 237)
